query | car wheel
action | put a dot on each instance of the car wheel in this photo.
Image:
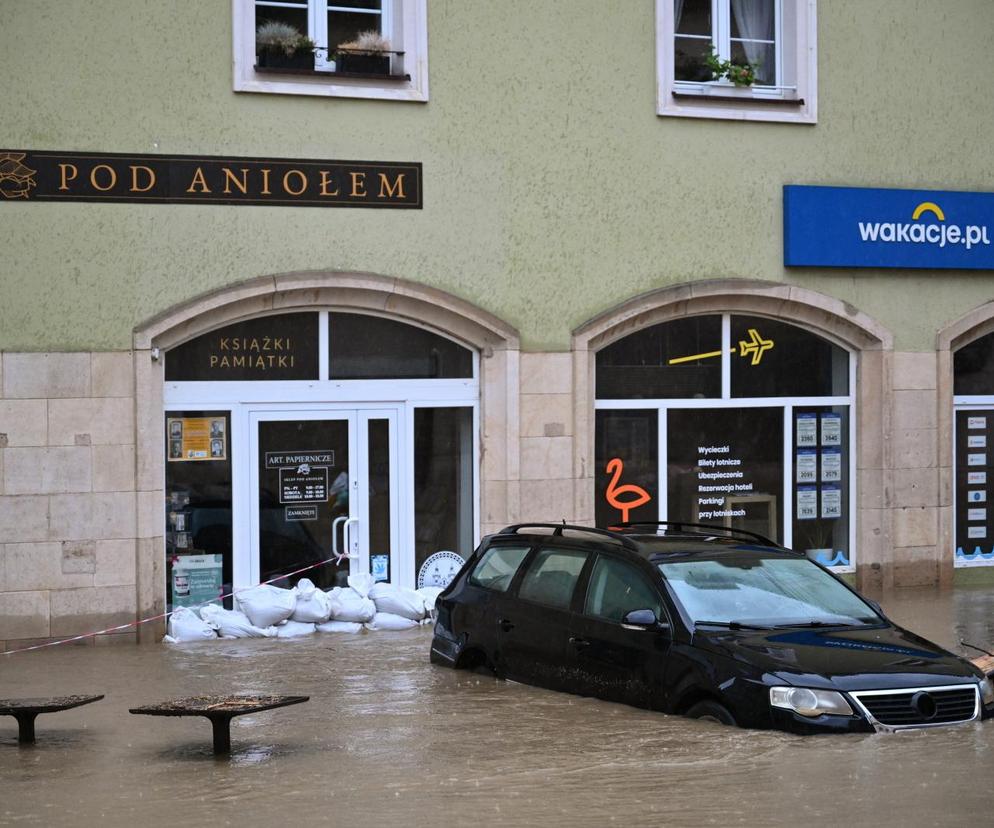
(711, 711)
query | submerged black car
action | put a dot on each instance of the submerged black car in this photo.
(707, 622)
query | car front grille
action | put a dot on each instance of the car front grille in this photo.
(920, 706)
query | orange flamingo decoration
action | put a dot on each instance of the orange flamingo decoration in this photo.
(615, 466)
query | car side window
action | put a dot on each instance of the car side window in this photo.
(616, 588)
(497, 567)
(552, 577)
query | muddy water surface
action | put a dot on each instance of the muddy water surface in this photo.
(387, 739)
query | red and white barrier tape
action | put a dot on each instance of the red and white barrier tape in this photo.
(336, 558)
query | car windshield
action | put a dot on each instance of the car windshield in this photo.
(768, 592)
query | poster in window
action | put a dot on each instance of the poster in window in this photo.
(807, 503)
(831, 502)
(976, 459)
(976, 514)
(806, 465)
(831, 430)
(976, 478)
(196, 439)
(976, 422)
(976, 441)
(806, 428)
(976, 532)
(831, 465)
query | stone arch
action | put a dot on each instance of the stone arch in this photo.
(496, 341)
(867, 339)
(974, 324)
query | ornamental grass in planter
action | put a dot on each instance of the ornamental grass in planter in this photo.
(281, 46)
(368, 54)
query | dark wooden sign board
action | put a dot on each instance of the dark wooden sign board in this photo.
(30, 175)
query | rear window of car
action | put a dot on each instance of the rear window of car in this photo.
(552, 577)
(497, 567)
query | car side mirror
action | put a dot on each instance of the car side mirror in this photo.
(643, 619)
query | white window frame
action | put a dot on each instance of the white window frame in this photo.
(405, 22)
(796, 102)
(786, 404)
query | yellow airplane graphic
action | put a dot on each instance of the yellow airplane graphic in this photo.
(755, 347)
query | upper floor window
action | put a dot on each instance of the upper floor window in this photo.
(737, 59)
(352, 48)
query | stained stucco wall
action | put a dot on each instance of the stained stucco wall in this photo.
(552, 190)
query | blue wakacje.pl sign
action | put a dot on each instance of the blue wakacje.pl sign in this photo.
(862, 227)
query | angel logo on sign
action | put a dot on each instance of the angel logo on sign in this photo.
(935, 232)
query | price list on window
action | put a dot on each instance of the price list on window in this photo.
(818, 465)
(973, 470)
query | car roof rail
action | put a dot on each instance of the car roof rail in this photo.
(706, 529)
(558, 529)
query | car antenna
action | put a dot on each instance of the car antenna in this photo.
(974, 647)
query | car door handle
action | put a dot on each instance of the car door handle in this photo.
(579, 643)
(506, 624)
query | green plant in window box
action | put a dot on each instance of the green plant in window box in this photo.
(368, 54)
(281, 46)
(741, 74)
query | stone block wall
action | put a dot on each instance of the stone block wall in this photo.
(67, 494)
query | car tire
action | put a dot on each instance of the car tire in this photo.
(711, 711)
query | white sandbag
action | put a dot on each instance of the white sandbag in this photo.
(361, 583)
(313, 605)
(266, 605)
(233, 624)
(349, 605)
(339, 627)
(398, 600)
(429, 595)
(389, 621)
(291, 629)
(186, 625)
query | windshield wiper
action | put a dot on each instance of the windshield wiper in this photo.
(812, 624)
(732, 625)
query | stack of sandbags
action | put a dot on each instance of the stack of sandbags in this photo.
(186, 625)
(313, 606)
(339, 627)
(291, 629)
(429, 595)
(352, 603)
(397, 607)
(266, 605)
(233, 624)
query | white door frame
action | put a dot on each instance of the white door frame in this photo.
(245, 566)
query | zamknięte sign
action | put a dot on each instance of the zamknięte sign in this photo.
(911, 229)
(29, 175)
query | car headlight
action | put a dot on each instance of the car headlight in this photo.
(987, 691)
(810, 702)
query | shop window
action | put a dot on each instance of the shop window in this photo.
(268, 348)
(371, 347)
(740, 59)
(627, 456)
(443, 483)
(328, 64)
(762, 443)
(973, 387)
(198, 507)
(774, 359)
(973, 368)
(671, 360)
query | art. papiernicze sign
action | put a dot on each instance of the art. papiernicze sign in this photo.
(28, 175)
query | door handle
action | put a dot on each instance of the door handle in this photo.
(579, 643)
(352, 544)
(334, 536)
(505, 624)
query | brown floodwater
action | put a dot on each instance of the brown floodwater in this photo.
(388, 739)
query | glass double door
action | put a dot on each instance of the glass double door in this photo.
(324, 485)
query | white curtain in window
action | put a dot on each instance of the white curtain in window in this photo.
(755, 21)
(677, 14)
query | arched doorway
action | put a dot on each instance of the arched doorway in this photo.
(312, 414)
(745, 404)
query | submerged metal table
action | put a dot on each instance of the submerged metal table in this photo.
(220, 710)
(27, 710)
